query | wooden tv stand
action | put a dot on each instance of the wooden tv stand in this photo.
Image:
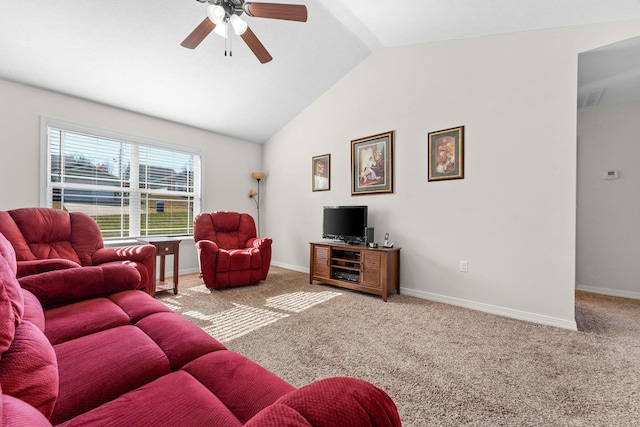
(371, 270)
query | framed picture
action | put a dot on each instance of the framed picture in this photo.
(321, 173)
(446, 154)
(372, 164)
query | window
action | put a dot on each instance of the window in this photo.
(131, 187)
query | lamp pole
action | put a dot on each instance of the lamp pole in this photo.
(258, 177)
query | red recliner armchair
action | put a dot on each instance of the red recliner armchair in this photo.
(229, 252)
(47, 239)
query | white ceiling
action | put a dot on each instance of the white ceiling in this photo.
(127, 53)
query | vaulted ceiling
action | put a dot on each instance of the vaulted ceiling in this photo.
(127, 53)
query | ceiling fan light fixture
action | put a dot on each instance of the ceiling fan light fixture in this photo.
(216, 13)
(221, 30)
(239, 26)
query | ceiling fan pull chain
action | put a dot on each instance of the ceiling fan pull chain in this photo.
(226, 39)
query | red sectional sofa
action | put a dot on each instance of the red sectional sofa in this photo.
(51, 239)
(84, 347)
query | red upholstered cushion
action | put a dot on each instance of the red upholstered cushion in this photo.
(85, 236)
(176, 399)
(181, 340)
(90, 375)
(37, 266)
(16, 413)
(83, 318)
(8, 253)
(74, 284)
(342, 401)
(224, 222)
(11, 298)
(46, 231)
(241, 384)
(28, 369)
(203, 227)
(137, 304)
(233, 229)
(278, 415)
(10, 230)
(247, 230)
(33, 310)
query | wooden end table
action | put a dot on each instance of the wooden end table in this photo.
(164, 246)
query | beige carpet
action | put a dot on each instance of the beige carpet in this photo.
(442, 365)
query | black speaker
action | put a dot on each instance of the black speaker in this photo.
(368, 235)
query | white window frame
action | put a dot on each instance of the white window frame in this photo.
(134, 227)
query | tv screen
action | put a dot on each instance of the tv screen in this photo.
(346, 223)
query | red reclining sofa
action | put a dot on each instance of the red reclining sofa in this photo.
(86, 347)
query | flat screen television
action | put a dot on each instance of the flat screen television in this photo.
(345, 223)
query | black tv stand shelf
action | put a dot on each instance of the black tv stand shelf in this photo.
(371, 270)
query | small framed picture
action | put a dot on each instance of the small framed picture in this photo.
(372, 164)
(321, 173)
(446, 154)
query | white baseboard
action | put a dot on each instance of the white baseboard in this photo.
(486, 308)
(291, 267)
(610, 292)
(492, 309)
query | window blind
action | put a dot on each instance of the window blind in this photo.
(130, 188)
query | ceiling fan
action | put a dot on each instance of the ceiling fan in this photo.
(224, 13)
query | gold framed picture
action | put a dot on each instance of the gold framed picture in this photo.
(372, 164)
(446, 154)
(321, 173)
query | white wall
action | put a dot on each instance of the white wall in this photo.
(227, 164)
(608, 214)
(513, 216)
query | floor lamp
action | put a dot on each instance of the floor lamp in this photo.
(255, 195)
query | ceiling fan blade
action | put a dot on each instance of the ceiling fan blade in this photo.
(290, 12)
(256, 46)
(198, 34)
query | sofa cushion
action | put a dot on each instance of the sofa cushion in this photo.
(97, 368)
(11, 302)
(33, 310)
(16, 413)
(278, 415)
(241, 384)
(47, 232)
(339, 401)
(239, 259)
(28, 369)
(181, 340)
(176, 399)
(12, 233)
(137, 305)
(85, 236)
(82, 318)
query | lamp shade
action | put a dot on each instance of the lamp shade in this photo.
(257, 175)
(239, 26)
(253, 193)
(216, 13)
(221, 30)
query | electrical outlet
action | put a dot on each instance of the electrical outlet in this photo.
(464, 266)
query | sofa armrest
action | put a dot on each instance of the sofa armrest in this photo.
(67, 286)
(27, 268)
(207, 261)
(332, 402)
(259, 242)
(139, 253)
(207, 246)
